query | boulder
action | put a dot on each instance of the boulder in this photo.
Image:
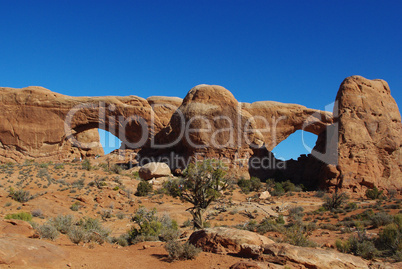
(264, 195)
(154, 170)
(229, 240)
(311, 257)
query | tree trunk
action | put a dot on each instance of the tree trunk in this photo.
(197, 218)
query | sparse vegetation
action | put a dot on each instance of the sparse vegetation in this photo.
(335, 201)
(150, 227)
(179, 251)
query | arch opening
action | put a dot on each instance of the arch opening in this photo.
(108, 141)
(297, 144)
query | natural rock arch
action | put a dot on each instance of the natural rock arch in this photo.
(35, 122)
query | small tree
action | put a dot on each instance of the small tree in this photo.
(202, 185)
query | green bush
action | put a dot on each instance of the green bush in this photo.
(48, 231)
(76, 206)
(151, 227)
(178, 251)
(143, 188)
(173, 187)
(278, 189)
(373, 193)
(390, 239)
(247, 186)
(20, 216)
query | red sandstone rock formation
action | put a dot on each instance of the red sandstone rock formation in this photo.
(370, 136)
(33, 122)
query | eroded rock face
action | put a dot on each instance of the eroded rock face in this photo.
(211, 123)
(33, 122)
(369, 138)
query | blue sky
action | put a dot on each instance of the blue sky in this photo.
(286, 51)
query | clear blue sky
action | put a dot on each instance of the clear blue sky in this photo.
(287, 51)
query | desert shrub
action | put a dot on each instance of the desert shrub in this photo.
(76, 206)
(37, 213)
(94, 230)
(121, 240)
(59, 166)
(178, 251)
(319, 194)
(21, 196)
(360, 246)
(381, 219)
(249, 185)
(173, 187)
(297, 235)
(116, 169)
(143, 188)
(77, 234)
(86, 165)
(48, 231)
(373, 193)
(150, 227)
(136, 174)
(20, 216)
(350, 207)
(341, 246)
(79, 183)
(62, 223)
(268, 225)
(170, 229)
(288, 186)
(335, 201)
(106, 214)
(392, 193)
(278, 189)
(296, 213)
(120, 215)
(390, 239)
